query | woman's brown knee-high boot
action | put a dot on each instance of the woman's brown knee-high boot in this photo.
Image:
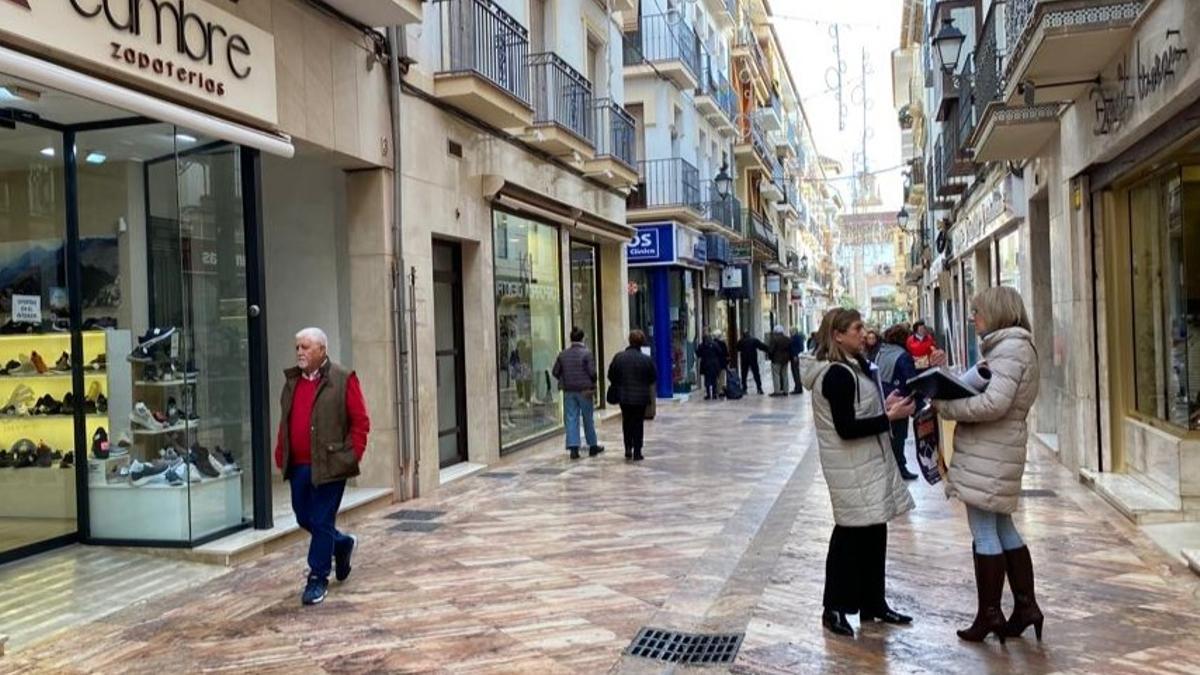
(1026, 612)
(989, 584)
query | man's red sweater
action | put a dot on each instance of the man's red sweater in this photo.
(299, 426)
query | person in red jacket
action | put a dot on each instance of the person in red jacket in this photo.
(921, 345)
(322, 437)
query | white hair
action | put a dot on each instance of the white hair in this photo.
(315, 334)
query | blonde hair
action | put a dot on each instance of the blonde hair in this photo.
(840, 320)
(1001, 307)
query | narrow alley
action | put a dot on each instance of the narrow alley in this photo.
(547, 565)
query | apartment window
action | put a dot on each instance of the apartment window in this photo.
(595, 66)
(639, 130)
(539, 19)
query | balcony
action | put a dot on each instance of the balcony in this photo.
(787, 140)
(770, 186)
(723, 216)
(751, 149)
(771, 115)
(762, 236)
(716, 100)
(664, 45)
(789, 206)
(724, 12)
(1060, 46)
(751, 60)
(482, 68)
(563, 114)
(380, 12)
(1004, 131)
(669, 190)
(614, 130)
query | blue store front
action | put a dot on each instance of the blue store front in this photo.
(666, 271)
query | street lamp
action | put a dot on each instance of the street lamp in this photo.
(723, 182)
(949, 42)
(902, 218)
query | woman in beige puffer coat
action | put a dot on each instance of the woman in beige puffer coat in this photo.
(989, 461)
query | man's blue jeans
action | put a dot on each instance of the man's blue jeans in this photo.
(993, 533)
(316, 508)
(575, 405)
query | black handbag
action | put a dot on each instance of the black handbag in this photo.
(613, 395)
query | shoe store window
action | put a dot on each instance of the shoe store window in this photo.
(528, 326)
(123, 285)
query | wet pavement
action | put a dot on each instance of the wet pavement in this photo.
(547, 565)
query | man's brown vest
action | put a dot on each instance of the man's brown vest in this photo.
(332, 457)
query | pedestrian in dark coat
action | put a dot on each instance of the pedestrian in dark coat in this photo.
(797, 350)
(712, 356)
(633, 374)
(748, 348)
(896, 368)
(780, 351)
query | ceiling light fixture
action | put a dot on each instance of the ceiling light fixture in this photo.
(14, 92)
(184, 138)
(47, 152)
(96, 158)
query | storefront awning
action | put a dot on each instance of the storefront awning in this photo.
(69, 81)
(520, 198)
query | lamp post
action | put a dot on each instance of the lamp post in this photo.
(723, 182)
(948, 43)
(902, 219)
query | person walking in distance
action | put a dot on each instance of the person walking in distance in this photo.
(797, 350)
(921, 346)
(812, 343)
(633, 375)
(895, 370)
(871, 345)
(712, 364)
(779, 349)
(748, 348)
(575, 370)
(989, 463)
(852, 419)
(322, 437)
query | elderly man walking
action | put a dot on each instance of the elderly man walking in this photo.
(575, 370)
(322, 437)
(779, 349)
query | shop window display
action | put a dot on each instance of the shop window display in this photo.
(683, 330)
(528, 326)
(1165, 290)
(129, 380)
(1008, 264)
(585, 312)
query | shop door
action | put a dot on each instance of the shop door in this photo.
(585, 305)
(448, 341)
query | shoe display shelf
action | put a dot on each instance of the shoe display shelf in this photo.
(57, 431)
(181, 512)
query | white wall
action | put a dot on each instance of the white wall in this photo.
(304, 228)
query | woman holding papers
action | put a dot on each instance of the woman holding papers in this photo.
(989, 461)
(852, 420)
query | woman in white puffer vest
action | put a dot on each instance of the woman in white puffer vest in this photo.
(989, 461)
(852, 421)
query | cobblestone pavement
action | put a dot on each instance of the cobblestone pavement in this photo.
(544, 565)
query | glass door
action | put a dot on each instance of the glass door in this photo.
(585, 304)
(38, 478)
(448, 338)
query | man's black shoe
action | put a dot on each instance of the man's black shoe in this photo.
(637, 456)
(886, 615)
(574, 453)
(314, 590)
(595, 450)
(341, 561)
(906, 474)
(836, 623)
(628, 454)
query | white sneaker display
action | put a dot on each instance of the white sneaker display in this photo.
(141, 417)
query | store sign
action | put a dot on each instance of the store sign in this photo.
(652, 245)
(741, 253)
(995, 210)
(772, 283)
(27, 308)
(1150, 71)
(186, 46)
(731, 277)
(691, 246)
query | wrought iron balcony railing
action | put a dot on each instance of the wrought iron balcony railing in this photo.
(760, 230)
(479, 37)
(615, 129)
(671, 182)
(561, 95)
(663, 37)
(715, 84)
(727, 211)
(991, 59)
(754, 135)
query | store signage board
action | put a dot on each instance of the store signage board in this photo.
(772, 283)
(731, 277)
(652, 244)
(187, 47)
(741, 253)
(1139, 75)
(996, 209)
(27, 308)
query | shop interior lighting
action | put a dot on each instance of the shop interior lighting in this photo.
(47, 152)
(13, 92)
(184, 138)
(96, 158)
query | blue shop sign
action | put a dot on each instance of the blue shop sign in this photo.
(652, 244)
(717, 248)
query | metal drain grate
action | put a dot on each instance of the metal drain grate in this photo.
(686, 648)
(1039, 492)
(414, 514)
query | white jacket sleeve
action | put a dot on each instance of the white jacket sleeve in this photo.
(995, 402)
